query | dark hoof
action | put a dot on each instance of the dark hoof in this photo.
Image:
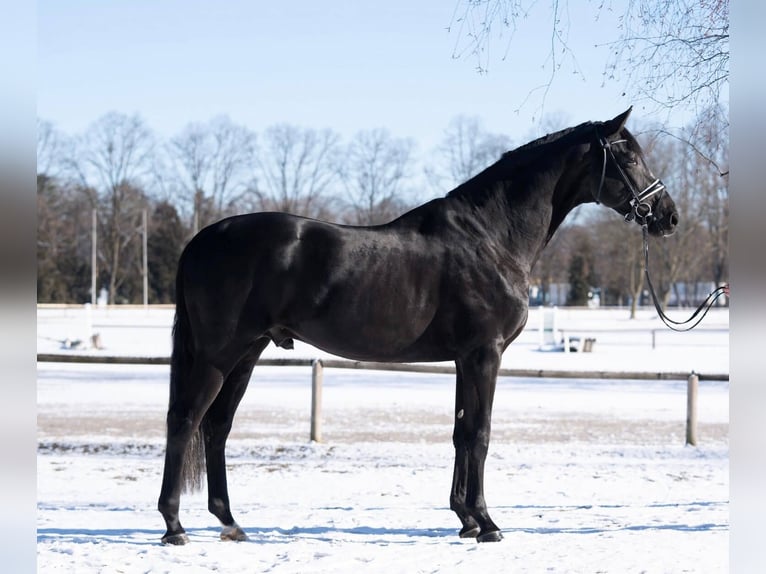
(492, 536)
(233, 532)
(469, 531)
(175, 539)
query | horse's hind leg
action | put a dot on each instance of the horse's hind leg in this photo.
(191, 400)
(216, 427)
(476, 380)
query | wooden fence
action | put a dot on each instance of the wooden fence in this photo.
(318, 366)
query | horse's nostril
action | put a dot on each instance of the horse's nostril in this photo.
(674, 219)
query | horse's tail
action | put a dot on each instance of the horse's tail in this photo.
(181, 361)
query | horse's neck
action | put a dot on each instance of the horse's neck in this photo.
(521, 212)
(570, 191)
(536, 214)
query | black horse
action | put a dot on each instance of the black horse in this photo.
(445, 281)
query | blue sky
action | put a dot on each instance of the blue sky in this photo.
(342, 64)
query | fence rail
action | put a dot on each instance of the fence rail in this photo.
(406, 367)
(318, 366)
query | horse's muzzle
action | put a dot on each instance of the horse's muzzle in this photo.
(665, 217)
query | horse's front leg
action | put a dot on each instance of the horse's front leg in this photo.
(475, 390)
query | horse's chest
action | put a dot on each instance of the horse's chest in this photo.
(484, 306)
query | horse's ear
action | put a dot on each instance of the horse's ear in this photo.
(614, 126)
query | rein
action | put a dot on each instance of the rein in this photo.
(701, 311)
(641, 211)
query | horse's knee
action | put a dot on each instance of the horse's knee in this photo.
(472, 440)
(479, 446)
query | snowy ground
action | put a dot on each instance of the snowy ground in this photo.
(582, 475)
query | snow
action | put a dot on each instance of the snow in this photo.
(582, 475)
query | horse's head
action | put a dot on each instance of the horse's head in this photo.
(624, 182)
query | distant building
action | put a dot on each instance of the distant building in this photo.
(682, 294)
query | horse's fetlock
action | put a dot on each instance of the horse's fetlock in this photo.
(168, 507)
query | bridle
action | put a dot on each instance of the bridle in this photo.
(641, 211)
(640, 208)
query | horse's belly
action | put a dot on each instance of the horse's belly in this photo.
(378, 351)
(369, 341)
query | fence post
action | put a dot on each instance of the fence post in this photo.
(691, 409)
(88, 332)
(316, 400)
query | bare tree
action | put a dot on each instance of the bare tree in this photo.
(374, 173)
(190, 156)
(167, 237)
(669, 52)
(51, 149)
(214, 165)
(551, 268)
(710, 162)
(698, 251)
(120, 228)
(115, 156)
(63, 242)
(618, 258)
(581, 271)
(465, 150)
(63, 222)
(297, 167)
(115, 148)
(673, 52)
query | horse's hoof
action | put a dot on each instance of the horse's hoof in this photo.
(234, 533)
(175, 539)
(470, 531)
(491, 536)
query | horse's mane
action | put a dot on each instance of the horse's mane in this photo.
(523, 155)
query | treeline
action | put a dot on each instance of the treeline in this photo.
(119, 174)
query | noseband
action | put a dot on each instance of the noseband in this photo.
(640, 208)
